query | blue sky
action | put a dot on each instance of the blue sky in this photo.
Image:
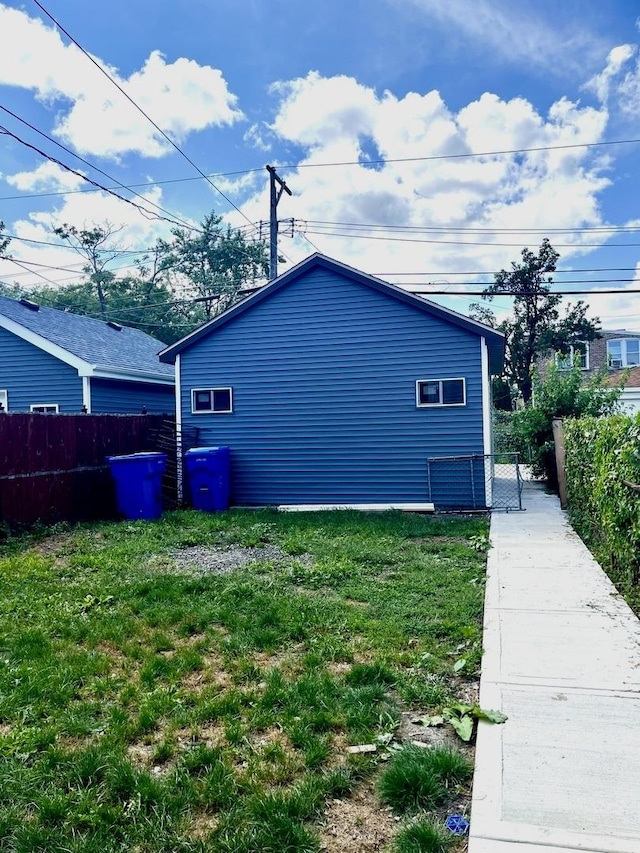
(241, 83)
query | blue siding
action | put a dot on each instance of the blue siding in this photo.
(323, 375)
(112, 396)
(33, 376)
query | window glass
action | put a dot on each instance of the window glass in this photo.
(633, 352)
(614, 352)
(441, 392)
(202, 401)
(452, 391)
(430, 392)
(222, 400)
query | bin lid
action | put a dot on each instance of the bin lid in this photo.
(133, 457)
(194, 450)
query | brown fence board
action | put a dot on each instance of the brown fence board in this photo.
(53, 467)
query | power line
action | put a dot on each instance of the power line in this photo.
(138, 107)
(140, 208)
(384, 160)
(172, 219)
(483, 245)
(448, 229)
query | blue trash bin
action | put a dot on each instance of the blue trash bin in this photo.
(138, 479)
(209, 477)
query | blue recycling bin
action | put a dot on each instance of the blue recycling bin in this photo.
(209, 477)
(138, 479)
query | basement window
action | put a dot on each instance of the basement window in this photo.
(217, 401)
(45, 408)
(4, 401)
(440, 392)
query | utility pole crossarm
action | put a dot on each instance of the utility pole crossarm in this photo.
(275, 181)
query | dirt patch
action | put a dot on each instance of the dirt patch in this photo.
(357, 824)
(200, 560)
(202, 825)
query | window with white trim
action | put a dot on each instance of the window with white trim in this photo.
(578, 354)
(216, 401)
(4, 401)
(623, 352)
(440, 392)
(45, 408)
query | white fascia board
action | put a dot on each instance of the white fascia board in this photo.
(102, 371)
(45, 345)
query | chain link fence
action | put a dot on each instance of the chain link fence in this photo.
(475, 482)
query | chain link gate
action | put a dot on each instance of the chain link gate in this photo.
(477, 481)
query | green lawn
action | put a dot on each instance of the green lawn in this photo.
(157, 696)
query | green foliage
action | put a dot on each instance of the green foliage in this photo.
(4, 240)
(213, 262)
(601, 454)
(209, 264)
(559, 395)
(536, 327)
(423, 836)
(418, 778)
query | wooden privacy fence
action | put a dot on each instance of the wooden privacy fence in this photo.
(53, 468)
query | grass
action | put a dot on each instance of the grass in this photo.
(418, 778)
(147, 708)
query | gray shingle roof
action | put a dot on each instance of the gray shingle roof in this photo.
(91, 340)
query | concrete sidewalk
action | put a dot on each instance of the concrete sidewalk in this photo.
(562, 660)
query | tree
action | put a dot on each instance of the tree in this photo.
(536, 327)
(212, 264)
(4, 240)
(560, 394)
(92, 245)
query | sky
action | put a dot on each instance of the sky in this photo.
(404, 129)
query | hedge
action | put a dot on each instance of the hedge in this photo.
(601, 454)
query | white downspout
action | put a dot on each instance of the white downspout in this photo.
(178, 432)
(487, 430)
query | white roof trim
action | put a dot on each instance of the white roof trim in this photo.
(83, 367)
(101, 371)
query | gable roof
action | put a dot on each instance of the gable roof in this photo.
(494, 339)
(91, 346)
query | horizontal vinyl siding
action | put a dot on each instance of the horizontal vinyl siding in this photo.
(32, 376)
(323, 376)
(111, 396)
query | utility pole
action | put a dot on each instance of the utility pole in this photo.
(275, 195)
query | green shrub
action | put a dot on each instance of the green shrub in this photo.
(601, 453)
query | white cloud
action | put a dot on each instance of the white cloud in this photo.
(618, 57)
(337, 120)
(81, 210)
(47, 176)
(181, 96)
(517, 32)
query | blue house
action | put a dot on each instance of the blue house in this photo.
(54, 361)
(331, 386)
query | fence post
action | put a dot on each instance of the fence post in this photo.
(558, 440)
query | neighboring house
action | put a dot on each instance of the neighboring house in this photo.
(54, 361)
(331, 386)
(616, 351)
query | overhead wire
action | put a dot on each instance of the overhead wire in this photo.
(148, 214)
(139, 108)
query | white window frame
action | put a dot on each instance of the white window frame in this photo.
(49, 408)
(441, 405)
(211, 411)
(623, 352)
(566, 362)
(4, 399)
